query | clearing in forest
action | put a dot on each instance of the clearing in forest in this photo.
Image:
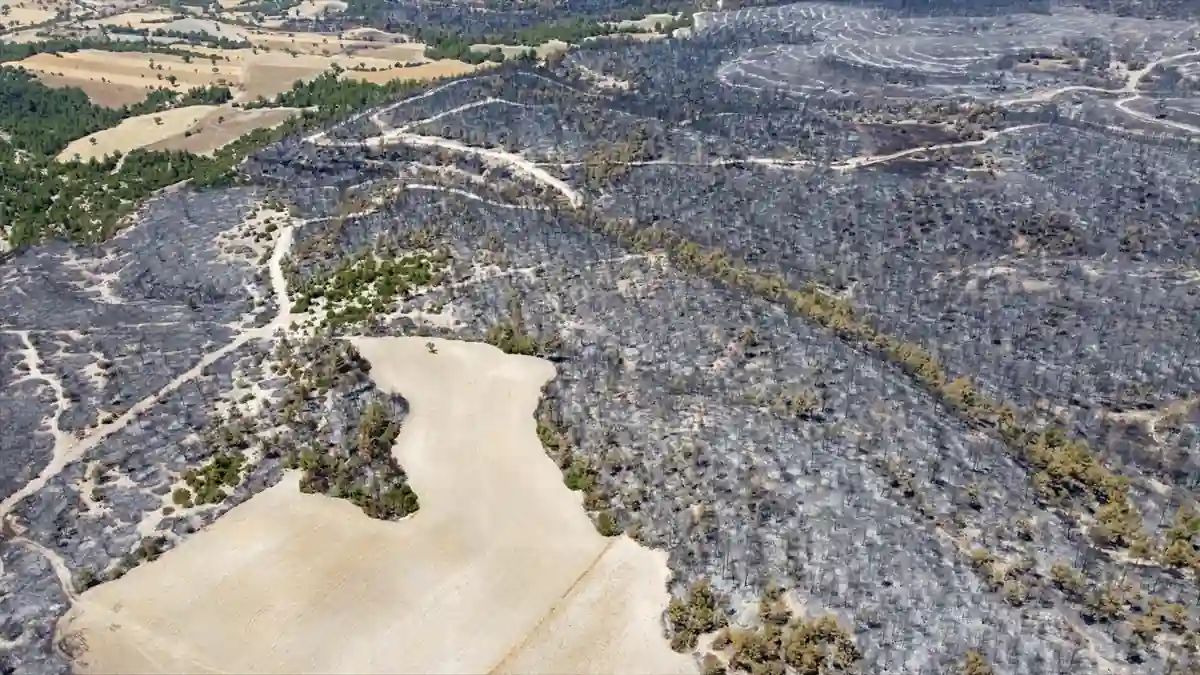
(223, 126)
(500, 571)
(126, 77)
(133, 69)
(107, 94)
(28, 12)
(136, 132)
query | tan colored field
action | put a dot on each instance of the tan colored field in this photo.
(136, 132)
(425, 71)
(27, 12)
(648, 22)
(321, 44)
(375, 35)
(412, 52)
(267, 81)
(543, 50)
(101, 93)
(251, 75)
(500, 570)
(133, 69)
(152, 19)
(222, 127)
(310, 8)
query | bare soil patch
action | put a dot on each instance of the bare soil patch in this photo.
(543, 50)
(650, 22)
(375, 35)
(136, 132)
(501, 569)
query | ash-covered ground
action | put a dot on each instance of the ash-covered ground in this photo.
(900, 313)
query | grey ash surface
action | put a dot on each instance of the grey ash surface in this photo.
(1054, 264)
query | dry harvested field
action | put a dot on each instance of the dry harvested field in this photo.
(152, 19)
(313, 8)
(107, 94)
(116, 78)
(136, 132)
(542, 50)
(500, 571)
(267, 81)
(266, 74)
(29, 12)
(649, 22)
(305, 43)
(222, 127)
(425, 71)
(132, 69)
(411, 52)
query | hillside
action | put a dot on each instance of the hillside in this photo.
(870, 334)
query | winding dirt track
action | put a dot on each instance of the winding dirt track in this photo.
(1134, 79)
(68, 449)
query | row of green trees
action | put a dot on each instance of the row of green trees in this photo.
(17, 51)
(442, 44)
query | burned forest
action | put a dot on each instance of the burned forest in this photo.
(881, 322)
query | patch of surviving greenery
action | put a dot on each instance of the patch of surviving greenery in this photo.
(232, 440)
(579, 473)
(367, 473)
(445, 45)
(779, 642)
(362, 468)
(208, 483)
(371, 283)
(511, 335)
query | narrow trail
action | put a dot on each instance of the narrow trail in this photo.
(1133, 81)
(429, 187)
(376, 115)
(1123, 106)
(511, 160)
(68, 449)
(781, 164)
(868, 160)
(34, 363)
(56, 563)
